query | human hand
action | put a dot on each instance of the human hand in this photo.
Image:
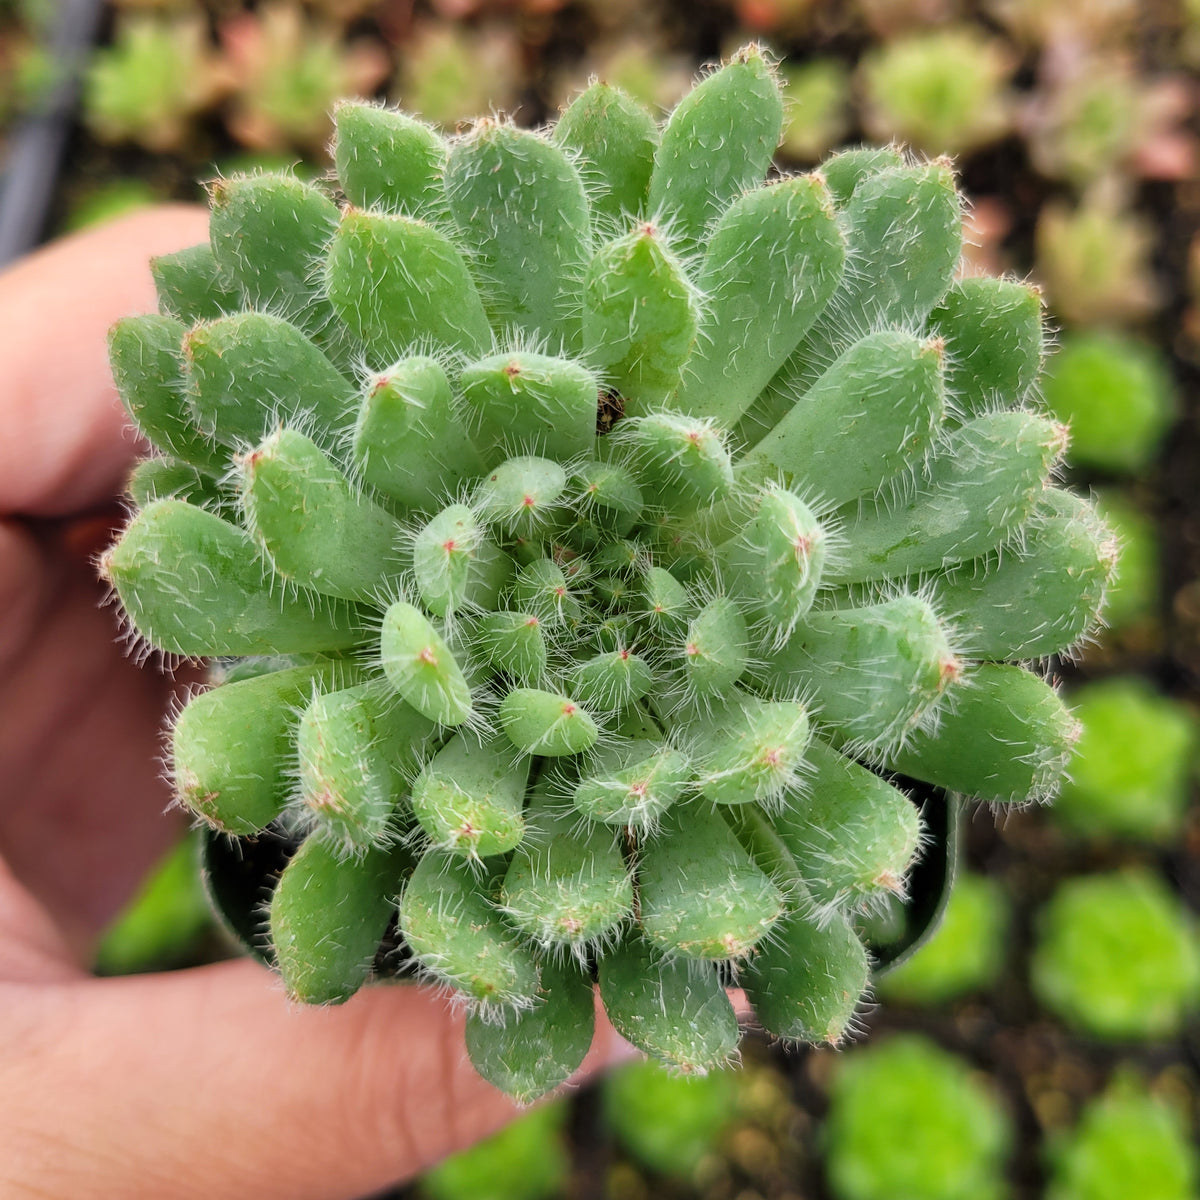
(197, 1083)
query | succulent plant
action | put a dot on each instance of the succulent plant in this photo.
(287, 70)
(965, 954)
(585, 521)
(1095, 116)
(942, 90)
(449, 73)
(106, 201)
(163, 922)
(885, 19)
(1190, 47)
(667, 1121)
(1117, 395)
(1085, 123)
(1094, 260)
(1133, 598)
(1117, 956)
(527, 1160)
(462, 10)
(1134, 763)
(1078, 22)
(29, 74)
(1129, 1142)
(907, 1118)
(637, 64)
(818, 98)
(149, 86)
(776, 16)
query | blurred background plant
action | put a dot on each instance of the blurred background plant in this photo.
(1094, 117)
(1117, 956)
(907, 1118)
(165, 922)
(528, 1160)
(668, 1122)
(1094, 260)
(27, 70)
(1043, 1043)
(452, 73)
(286, 71)
(1135, 598)
(967, 953)
(156, 78)
(1129, 1142)
(1135, 763)
(1116, 394)
(941, 92)
(818, 114)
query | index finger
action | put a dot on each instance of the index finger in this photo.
(65, 444)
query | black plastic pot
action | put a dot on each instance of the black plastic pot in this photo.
(240, 875)
(930, 880)
(36, 148)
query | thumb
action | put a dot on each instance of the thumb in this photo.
(66, 445)
(207, 1083)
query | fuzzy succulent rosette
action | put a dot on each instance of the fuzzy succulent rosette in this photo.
(589, 530)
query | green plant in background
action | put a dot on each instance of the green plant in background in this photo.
(818, 108)
(1079, 22)
(907, 1118)
(966, 954)
(1117, 956)
(887, 19)
(1191, 32)
(448, 74)
(573, 589)
(287, 71)
(258, 162)
(1134, 763)
(636, 65)
(945, 91)
(668, 1122)
(527, 1160)
(1096, 117)
(162, 923)
(28, 75)
(1128, 1143)
(1133, 597)
(152, 82)
(775, 16)
(29, 72)
(1116, 395)
(107, 201)
(1094, 261)
(1086, 124)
